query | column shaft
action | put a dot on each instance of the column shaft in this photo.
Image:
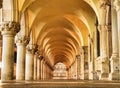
(20, 69)
(114, 61)
(104, 61)
(29, 66)
(7, 58)
(8, 29)
(38, 69)
(35, 67)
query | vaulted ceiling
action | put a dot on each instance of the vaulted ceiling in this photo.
(59, 27)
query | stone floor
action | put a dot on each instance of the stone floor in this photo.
(60, 84)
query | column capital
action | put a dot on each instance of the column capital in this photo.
(9, 28)
(78, 56)
(31, 48)
(21, 39)
(104, 4)
(107, 27)
(40, 57)
(117, 5)
(90, 39)
(81, 50)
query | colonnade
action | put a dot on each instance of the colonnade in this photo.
(33, 66)
(29, 63)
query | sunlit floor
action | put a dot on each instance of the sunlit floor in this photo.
(60, 84)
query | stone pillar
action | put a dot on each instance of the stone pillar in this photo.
(38, 69)
(69, 73)
(35, 66)
(21, 42)
(29, 72)
(40, 57)
(82, 63)
(78, 66)
(74, 69)
(86, 67)
(44, 70)
(114, 60)
(103, 28)
(117, 65)
(8, 29)
(41, 66)
(90, 57)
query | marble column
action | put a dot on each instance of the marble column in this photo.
(117, 38)
(90, 57)
(35, 66)
(115, 56)
(40, 57)
(82, 63)
(102, 27)
(42, 67)
(8, 30)
(29, 72)
(21, 42)
(78, 66)
(38, 69)
(86, 66)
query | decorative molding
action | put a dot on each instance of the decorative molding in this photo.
(31, 48)
(9, 28)
(78, 56)
(104, 3)
(117, 5)
(21, 39)
(40, 57)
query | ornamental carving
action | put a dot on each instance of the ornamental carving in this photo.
(117, 5)
(104, 3)
(22, 39)
(31, 48)
(40, 57)
(10, 27)
(78, 56)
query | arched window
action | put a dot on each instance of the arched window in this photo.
(59, 71)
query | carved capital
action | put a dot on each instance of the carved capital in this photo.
(78, 56)
(81, 50)
(9, 28)
(21, 39)
(40, 57)
(117, 5)
(31, 48)
(90, 39)
(104, 4)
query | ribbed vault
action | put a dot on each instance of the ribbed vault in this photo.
(59, 27)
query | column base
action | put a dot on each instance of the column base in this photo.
(86, 76)
(104, 76)
(114, 62)
(6, 77)
(103, 68)
(31, 78)
(114, 76)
